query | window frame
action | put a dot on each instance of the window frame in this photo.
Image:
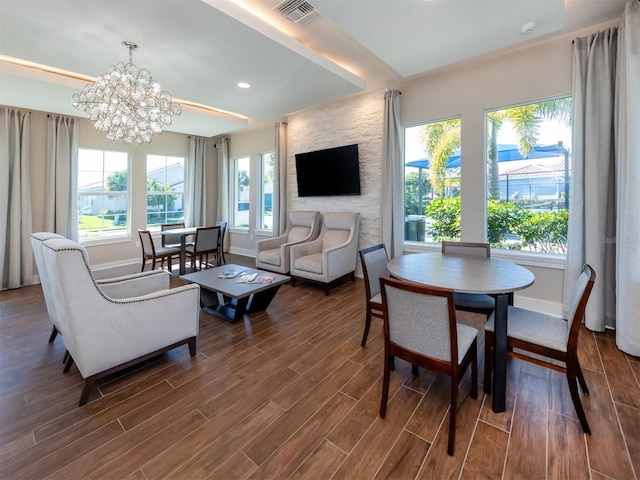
(235, 192)
(123, 233)
(262, 203)
(166, 193)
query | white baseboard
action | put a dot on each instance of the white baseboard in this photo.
(243, 251)
(542, 306)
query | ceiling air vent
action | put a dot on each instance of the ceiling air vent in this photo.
(299, 12)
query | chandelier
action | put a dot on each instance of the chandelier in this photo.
(126, 103)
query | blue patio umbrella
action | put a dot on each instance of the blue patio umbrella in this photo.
(506, 153)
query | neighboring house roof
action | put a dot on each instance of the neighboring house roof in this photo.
(173, 175)
(537, 170)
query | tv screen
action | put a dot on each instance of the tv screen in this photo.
(329, 172)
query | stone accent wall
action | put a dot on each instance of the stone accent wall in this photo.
(360, 120)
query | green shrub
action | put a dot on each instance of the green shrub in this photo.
(445, 213)
(545, 231)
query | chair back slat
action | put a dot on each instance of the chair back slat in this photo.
(475, 249)
(147, 242)
(171, 239)
(207, 239)
(579, 298)
(374, 265)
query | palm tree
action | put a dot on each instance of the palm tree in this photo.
(526, 120)
(441, 140)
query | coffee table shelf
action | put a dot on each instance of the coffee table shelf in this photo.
(229, 299)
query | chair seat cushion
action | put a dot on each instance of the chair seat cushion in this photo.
(310, 263)
(534, 327)
(466, 336)
(167, 250)
(473, 300)
(271, 256)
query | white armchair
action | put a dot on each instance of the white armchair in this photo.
(333, 255)
(117, 287)
(273, 254)
(111, 325)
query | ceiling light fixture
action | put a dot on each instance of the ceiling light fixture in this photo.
(244, 85)
(126, 103)
(528, 28)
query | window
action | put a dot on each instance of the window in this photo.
(241, 175)
(103, 193)
(432, 181)
(165, 190)
(528, 176)
(268, 164)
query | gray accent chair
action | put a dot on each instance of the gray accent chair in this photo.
(536, 334)
(374, 265)
(207, 242)
(331, 257)
(107, 330)
(274, 254)
(420, 327)
(471, 302)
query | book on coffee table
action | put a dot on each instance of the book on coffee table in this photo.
(256, 278)
(230, 273)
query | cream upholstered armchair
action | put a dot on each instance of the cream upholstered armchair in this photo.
(111, 325)
(333, 255)
(111, 283)
(273, 254)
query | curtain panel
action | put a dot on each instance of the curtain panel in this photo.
(392, 211)
(604, 225)
(61, 177)
(196, 201)
(280, 181)
(16, 260)
(222, 146)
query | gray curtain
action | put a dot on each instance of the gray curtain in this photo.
(61, 177)
(605, 207)
(627, 122)
(392, 210)
(222, 145)
(16, 258)
(280, 181)
(196, 201)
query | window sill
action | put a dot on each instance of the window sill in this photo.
(94, 242)
(531, 259)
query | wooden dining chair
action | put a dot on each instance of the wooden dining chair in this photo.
(171, 240)
(420, 327)
(206, 243)
(223, 230)
(374, 265)
(544, 335)
(153, 254)
(471, 302)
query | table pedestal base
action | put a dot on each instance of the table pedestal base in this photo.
(233, 309)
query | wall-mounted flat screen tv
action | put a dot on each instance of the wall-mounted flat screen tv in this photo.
(329, 172)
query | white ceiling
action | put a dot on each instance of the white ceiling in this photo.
(200, 49)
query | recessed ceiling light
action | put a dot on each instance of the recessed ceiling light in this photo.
(528, 28)
(244, 85)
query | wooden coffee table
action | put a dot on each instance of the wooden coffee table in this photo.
(229, 299)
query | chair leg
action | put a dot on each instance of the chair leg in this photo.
(54, 334)
(583, 384)
(575, 396)
(452, 414)
(66, 356)
(367, 326)
(415, 370)
(488, 347)
(67, 366)
(89, 383)
(474, 370)
(192, 346)
(385, 385)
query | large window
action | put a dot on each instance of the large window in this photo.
(103, 193)
(241, 175)
(267, 164)
(528, 176)
(432, 181)
(165, 190)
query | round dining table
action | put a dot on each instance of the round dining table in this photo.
(470, 274)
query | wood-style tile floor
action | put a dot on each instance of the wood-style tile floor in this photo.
(289, 393)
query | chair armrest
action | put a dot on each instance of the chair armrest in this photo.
(270, 243)
(306, 248)
(135, 285)
(116, 331)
